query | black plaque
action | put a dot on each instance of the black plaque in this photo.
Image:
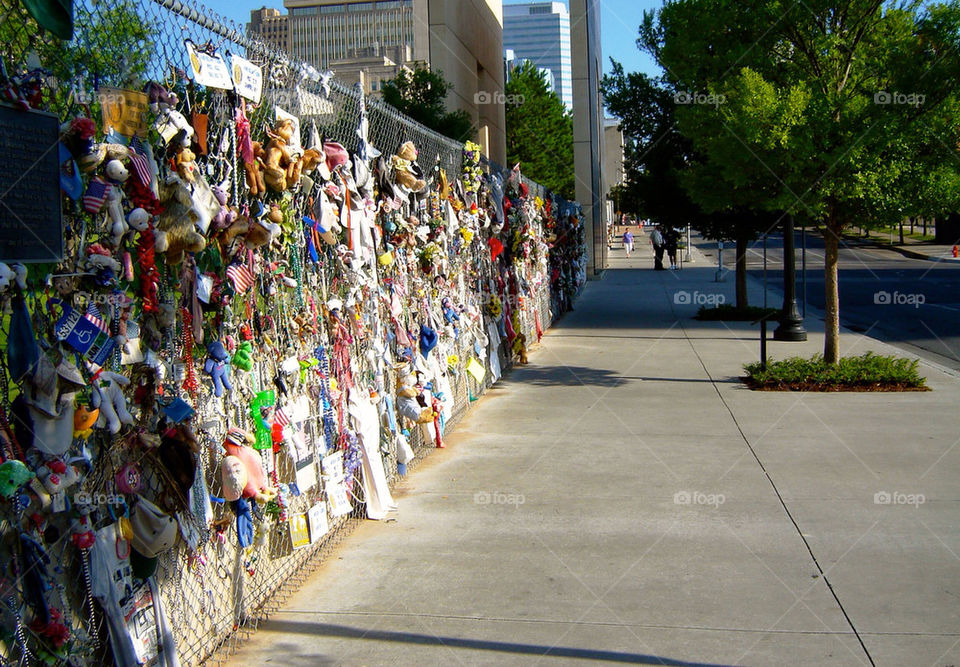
(31, 221)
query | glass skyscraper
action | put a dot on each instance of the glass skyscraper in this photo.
(540, 32)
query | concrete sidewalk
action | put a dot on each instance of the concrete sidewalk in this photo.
(623, 498)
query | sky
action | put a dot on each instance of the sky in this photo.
(619, 20)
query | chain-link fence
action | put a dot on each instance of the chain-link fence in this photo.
(487, 276)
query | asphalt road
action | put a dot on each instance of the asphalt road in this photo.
(911, 303)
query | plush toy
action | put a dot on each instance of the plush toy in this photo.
(154, 323)
(226, 215)
(99, 259)
(186, 162)
(13, 475)
(253, 170)
(406, 172)
(169, 123)
(179, 220)
(77, 135)
(237, 444)
(140, 220)
(56, 476)
(84, 419)
(263, 231)
(233, 476)
(12, 275)
(117, 174)
(108, 397)
(243, 358)
(410, 401)
(217, 366)
(281, 165)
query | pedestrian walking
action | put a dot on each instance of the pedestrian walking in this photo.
(657, 240)
(628, 242)
(670, 240)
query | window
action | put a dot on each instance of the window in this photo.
(331, 9)
(303, 11)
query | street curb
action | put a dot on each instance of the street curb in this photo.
(913, 254)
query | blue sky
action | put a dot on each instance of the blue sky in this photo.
(618, 22)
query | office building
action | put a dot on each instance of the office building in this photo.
(370, 42)
(540, 32)
(271, 27)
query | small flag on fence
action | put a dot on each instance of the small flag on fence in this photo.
(96, 195)
(138, 158)
(241, 277)
(93, 315)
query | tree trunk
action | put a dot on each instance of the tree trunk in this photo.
(831, 339)
(741, 276)
(901, 232)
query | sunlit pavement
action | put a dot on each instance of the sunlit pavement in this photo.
(623, 498)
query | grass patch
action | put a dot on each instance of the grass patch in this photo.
(727, 312)
(869, 372)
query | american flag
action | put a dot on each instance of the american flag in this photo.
(241, 277)
(138, 158)
(280, 417)
(97, 192)
(93, 315)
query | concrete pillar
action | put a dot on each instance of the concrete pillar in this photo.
(588, 123)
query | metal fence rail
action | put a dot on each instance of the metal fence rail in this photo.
(217, 593)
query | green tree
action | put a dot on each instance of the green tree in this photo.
(838, 114)
(662, 167)
(539, 131)
(421, 94)
(112, 45)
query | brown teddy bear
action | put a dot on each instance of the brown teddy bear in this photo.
(262, 231)
(281, 166)
(254, 171)
(178, 220)
(406, 172)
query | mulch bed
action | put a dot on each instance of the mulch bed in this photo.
(835, 387)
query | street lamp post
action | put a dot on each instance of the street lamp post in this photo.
(791, 324)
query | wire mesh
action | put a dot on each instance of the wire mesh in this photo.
(215, 593)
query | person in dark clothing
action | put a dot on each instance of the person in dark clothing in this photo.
(657, 239)
(670, 240)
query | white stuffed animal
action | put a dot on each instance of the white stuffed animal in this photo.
(10, 275)
(117, 174)
(108, 397)
(139, 220)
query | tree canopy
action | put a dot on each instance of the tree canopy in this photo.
(421, 94)
(539, 131)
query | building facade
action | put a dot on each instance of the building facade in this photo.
(540, 32)
(370, 42)
(271, 27)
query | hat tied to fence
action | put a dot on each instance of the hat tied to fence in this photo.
(54, 15)
(153, 533)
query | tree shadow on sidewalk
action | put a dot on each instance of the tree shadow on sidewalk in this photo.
(565, 376)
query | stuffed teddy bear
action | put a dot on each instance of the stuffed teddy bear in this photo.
(140, 220)
(98, 259)
(281, 165)
(243, 357)
(264, 230)
(406, 173)
(13, 475)
(253, 171)
(10, 276)
(154, 323)
(117, 174)
(217, 366)
(179, 220)
(56, 476)
(237, 444)
(226, 215)
(108, 397)
(409, 398)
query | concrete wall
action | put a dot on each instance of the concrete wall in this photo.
(588, 128)
(466, 44)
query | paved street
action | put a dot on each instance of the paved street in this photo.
(624, 498)
(913, 303)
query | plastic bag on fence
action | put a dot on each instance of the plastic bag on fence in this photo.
(404, 450)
